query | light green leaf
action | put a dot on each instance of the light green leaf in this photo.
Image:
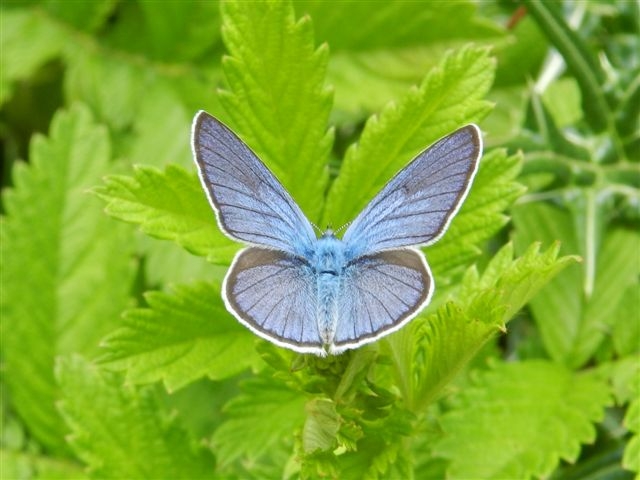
(481, 216)
(624, 377)
(160, 129)
(122, 432)
(631, 459)
(432, 351)
(66, 269)
(276, 96)
(262, 418)
(30, 466)
(180, 338)
(168, 204)
(572, 324)
(450, 96)
(518, 420)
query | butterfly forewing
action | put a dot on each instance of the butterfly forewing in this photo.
(379, 294)
(415, 206)
(274, 294)
(250, 203)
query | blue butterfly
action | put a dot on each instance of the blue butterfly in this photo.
(326, 295)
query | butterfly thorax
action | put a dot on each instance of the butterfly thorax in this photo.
(328, 265)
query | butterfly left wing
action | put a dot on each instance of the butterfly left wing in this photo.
(250, 203)
(416, 206)
(379, 294)
(274, 294)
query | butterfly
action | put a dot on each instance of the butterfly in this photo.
(328, 294)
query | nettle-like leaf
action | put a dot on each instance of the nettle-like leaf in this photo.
(494, 189)
(429, 353)
(168, 204)
(449, 96)
(66, 269)
(123, 432)
(181, 337)
(518, 420)
(260, 420)
(572, 322)
(276, 97)
(378, 62)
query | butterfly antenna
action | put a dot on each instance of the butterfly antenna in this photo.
(343, 227)
(317, 228)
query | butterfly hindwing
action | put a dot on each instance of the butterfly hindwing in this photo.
(274, 294)
(416, 206)
(251, 204)
(380, 293)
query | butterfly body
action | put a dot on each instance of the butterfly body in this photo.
(329, 294)
(327, 263)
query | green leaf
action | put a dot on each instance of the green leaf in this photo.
(626, 327)
(27, 42)
(276, 97)
(321, 425)
(121, 89)
(30, 466)
(368, 68)
(180, 338)
(152, 29)
(66, 269)
(171, 205)
(122, 432)
(86, 16)
(631, 459)
(572, 323)
(519, 420)
(450, 96)
(259, 420)
(481, 216)
(431, 352)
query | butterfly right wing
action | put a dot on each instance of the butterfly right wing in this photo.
(379, 294)
(274, 294)
(250, 203)
(416, 206)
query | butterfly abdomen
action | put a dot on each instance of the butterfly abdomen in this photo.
(328, 266)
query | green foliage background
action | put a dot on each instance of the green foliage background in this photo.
(119, 359)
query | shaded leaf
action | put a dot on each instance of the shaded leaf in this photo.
(122, 432)
(522, 419)
(259, 420)
(573, 323)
